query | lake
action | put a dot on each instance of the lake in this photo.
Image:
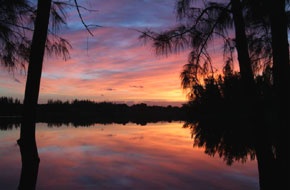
(114, 156)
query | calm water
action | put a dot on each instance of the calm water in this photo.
(155, 156)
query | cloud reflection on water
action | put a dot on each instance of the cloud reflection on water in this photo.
(155, 156)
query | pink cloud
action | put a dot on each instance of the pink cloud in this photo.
(114, 58)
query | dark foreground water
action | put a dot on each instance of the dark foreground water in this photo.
(155, 156)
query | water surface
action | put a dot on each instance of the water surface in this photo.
(155, 156)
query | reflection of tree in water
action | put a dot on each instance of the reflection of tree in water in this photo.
(237, 138)
(9, 123)
(228, 139)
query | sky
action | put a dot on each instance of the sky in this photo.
(113, 65)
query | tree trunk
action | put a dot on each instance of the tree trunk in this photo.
(27, 142)
(242, 49)
(265, 157)
(281, 75)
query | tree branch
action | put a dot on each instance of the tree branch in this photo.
(82, 20)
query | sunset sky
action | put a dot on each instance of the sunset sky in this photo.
(113, 65)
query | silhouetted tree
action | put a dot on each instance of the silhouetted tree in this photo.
(15, 45)
(218, 104)
(276, 16)
(281, 76)
(204, 24)
(27, 142)
(16, 23)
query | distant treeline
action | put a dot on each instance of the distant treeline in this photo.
(10, 106)
(86, 112)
